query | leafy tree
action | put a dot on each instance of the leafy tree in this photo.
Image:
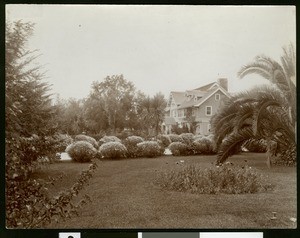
(94, 116)
(152, 113)
(263, 113)
(70, 116)
(27, 101)
(114, 95)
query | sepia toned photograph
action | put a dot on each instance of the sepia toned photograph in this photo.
(150, 117)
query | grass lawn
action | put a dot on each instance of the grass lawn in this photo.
(124, 196)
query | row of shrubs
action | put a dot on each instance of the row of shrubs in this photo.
(85, 148)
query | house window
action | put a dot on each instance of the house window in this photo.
(208, 128)
(174, 113)
(208, 110)
(217, 97)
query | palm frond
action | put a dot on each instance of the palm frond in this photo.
(232, 142)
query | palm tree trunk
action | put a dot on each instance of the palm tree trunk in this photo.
(269, 154)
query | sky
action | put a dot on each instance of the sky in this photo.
(158, 48)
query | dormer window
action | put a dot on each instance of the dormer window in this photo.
(217, 97)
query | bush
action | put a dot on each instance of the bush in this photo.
(227, 179)
(63, 141)
(175, 138)
(150, 149)
(287, 157)
(179, 148)
(187, 138)
(113, 150)
(81, 151)
(131, 145)
(106, 139)
(165, 140)
(197, 137)
(88, 139)
(203, 146)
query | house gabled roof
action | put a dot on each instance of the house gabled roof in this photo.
(178, 97)
(210, 93)
(205, 87)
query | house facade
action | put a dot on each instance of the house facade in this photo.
(195, 107)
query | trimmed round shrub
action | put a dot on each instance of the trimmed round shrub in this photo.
(150, 149)
(81, 151)
(131, 145)
(165, 140)
(187, 138)
(203, 146)
(64, 140)
(175, 138)
(88, 139)
(106, 139)
(179, 148)
(113, 150)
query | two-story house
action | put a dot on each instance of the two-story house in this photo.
(197, 106)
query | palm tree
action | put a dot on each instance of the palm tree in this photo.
(265, 112)
(282, 77)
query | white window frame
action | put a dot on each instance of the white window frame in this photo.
(206, 114)
(208, 127)
(219, 97)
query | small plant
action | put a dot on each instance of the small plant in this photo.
(229, 179)
(113, 150)
(175, 138)
(187, 138)
(88, 139)
(106, 139)
(179, 148)
(165, 140)
(81, 151)
(131, 145)
(150, 149)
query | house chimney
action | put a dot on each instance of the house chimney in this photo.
(223, 82)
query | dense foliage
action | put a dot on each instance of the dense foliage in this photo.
(227, 179)
(165, 140)
(31, 125)
(150, 149)
(81, 151)
(131, 145)
(106, 139)
(180, 148)
(88, 139)
(112, 150)
(175, 138)
(29, 205)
